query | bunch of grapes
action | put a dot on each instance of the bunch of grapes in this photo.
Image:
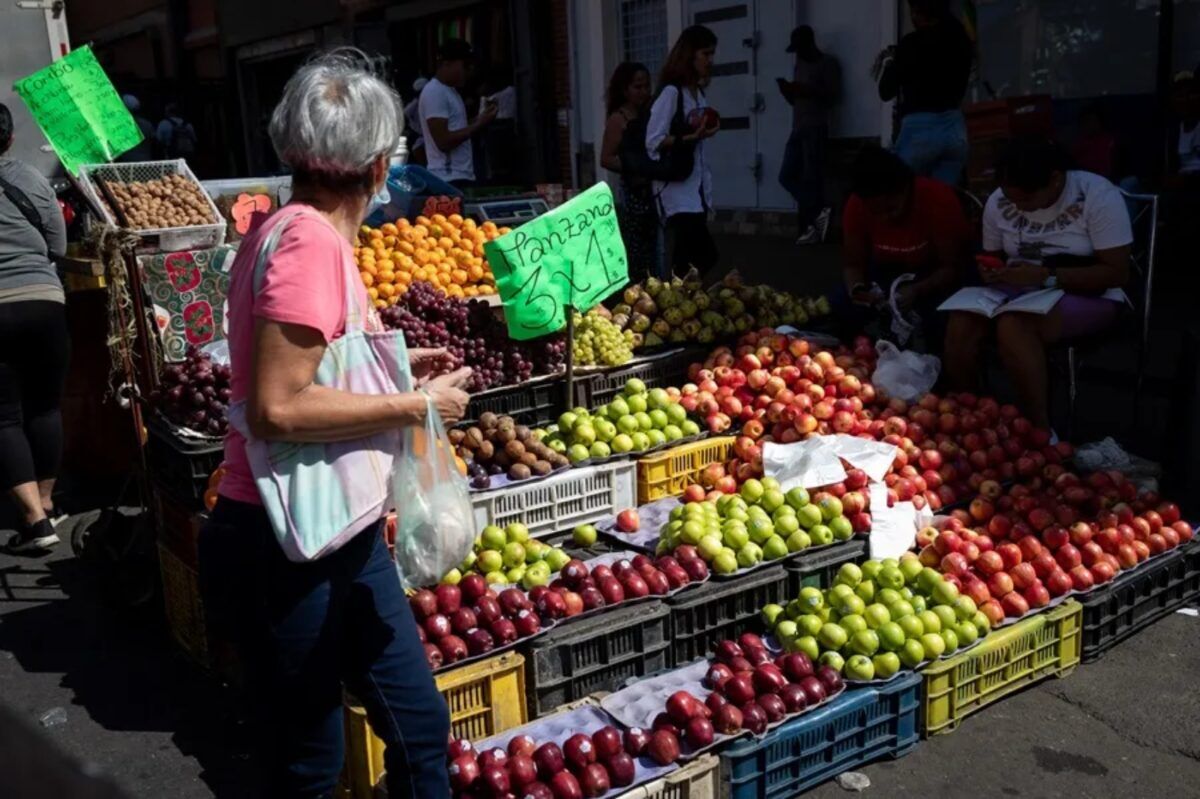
(599, 341)
(473, 336)
(194, 394)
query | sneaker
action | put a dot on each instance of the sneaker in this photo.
(810, 236)
(37, 537)
(57, 516)
(822, 223)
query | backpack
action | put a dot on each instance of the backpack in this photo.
(183, 140)
(673, 165)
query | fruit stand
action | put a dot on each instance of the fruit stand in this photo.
(656, 565)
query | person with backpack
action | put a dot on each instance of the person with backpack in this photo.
(680, 121)
(176, 137)
(628, 109)
(34, 345)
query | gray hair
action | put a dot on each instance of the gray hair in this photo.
(335, 118)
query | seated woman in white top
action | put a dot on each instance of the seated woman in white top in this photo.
(1046, 227)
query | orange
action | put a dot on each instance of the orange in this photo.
(367, 278)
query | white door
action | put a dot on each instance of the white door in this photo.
(745, 156)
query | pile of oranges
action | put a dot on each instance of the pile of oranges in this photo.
(445, 251)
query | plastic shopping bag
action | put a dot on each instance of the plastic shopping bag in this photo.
(435, 523)
(903, 373)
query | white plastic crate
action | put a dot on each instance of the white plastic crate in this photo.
(700, 779)
(560, 502)
(177, 239)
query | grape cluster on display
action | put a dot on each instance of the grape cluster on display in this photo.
(473, 336)
(194, 394)
(599, 342)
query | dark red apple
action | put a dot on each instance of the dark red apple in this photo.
(717, 675)
(814, 690)
(463, 772)
(437, 627)
(494, 780)
(754, 718)
(607, 742)
(514, 600)
(522, 745)
(551, 605)
(449, 598)
(594, 780)
(727, 719)
(579, 752)
(682, 706)
(423, 603)
(739, 689)
(726, 651)
(549, 760)
(462, 620)
(493, 757)
(768, 679)
(635, 586)
(621, 769)
(457, 747)
(699, 732)
(663, 747)
(612, 590)
(773, 706)
(696, 569)
(635, 740)
(794, 698)
(503, 631)
(663, 722)
(522, 771)
(565, 786)
(433, 656)
(526, 622)
(797, 666)
(453, 648)
(479, 641)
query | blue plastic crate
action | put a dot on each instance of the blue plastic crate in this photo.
(861, 725)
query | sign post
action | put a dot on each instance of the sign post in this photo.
(79, 111)
(566, 259)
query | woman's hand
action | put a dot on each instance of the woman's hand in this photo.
(426, 362)
(709, 132)
(448, 396)
(1019, 274)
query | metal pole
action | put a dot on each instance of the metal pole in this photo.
(570, 357)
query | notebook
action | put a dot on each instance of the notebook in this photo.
(992, 302)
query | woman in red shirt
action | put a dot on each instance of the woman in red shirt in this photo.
(897, 223)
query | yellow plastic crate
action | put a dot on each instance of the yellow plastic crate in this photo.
(1048, 644)
(667, 473)
(485, 697)
(700, 779)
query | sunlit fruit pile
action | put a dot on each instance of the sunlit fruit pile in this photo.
(498, 445)
(446, 251)
(599, 342)
(758, 523)
(469, 619)
(877, 618)
(635, 421)
(509, 556)
(578, 589)
(1015, 552)
(194, 394)
(473, 336)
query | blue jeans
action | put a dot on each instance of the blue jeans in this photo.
(934, 144)
(303, 630)
(802, 172)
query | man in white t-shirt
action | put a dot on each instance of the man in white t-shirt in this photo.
(444, 125)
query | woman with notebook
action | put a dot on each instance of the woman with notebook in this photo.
(1056, 254)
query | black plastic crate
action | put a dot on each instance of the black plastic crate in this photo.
(1135, 601)
(818, 569)
(566, 541)
(722, 609)
(668, 369)
(596, 654)
(183, 467)
(536, 404)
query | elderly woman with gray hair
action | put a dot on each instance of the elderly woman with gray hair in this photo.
(305, 630)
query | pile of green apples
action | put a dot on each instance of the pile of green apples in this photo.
(878, 618)
(760, 522)
(510, 556)
(634, 421)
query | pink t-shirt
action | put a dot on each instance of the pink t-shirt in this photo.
(304, 284)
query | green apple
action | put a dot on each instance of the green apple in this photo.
(641, 441)
(865, 642)
(692, 531)
(849, 574)
(860, 667)
(535, 550)
(772, 500)
(658, 418)
(831, 507)
(944, 593)
(809, 516)
(600, 450)
(806, 644)
(770, 483)
(556, 559)
(891, 636)
(866, 590)
(786, 631)
(584, 535)
(820, 535)
(982, 623)
(786, 525)
(605, 430)
(933, 644)
(912, 654)
(809, 624)
(851, 604)
(749, 555)
(658, 398)
(886, 665)
(577, 453)
(811, 598)
(852, 623)
(468, 562)
(774, 548)
(798, 540)
(927, 579)
(870, 569)
(964, 608)
(689, 428)
(493, 537)
(452, 577)
(950, 638)
(617, 408)
(930, 621)
(876, 615)
(906, 593)
(890, 577)
(567, 421)
(710, 546)
(967, 634)
(760, 530)
(558, 445)
(912, 625)
(514, 575)
(622, 443)
(772, 612)
(494, 577)
(832, 659)
(676, 413)
(918, 602)
(911, 568)
(751, 490)
(737, 514)
(584, 433)
(536, 574)
(672, 432)
(836, 593)
(946, 614)
(656, 438)
(797, 497)
(725, 562)
(628, 424)
(832, 636)
(841, 527)
(637, 407)
(514, 554)
(644, 422)
(490, 560)
(888, 596)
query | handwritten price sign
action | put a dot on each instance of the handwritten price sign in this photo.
(79, 111)
(571, 256)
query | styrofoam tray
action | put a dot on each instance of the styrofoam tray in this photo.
(651, 517)
(638, 704)
(559, 727)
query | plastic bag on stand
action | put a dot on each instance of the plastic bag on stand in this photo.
(435, 522)
(903, 373)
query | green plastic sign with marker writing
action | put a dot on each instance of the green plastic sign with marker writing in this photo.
(79, 111)
(571, 256)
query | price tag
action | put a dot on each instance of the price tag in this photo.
(571, 256)
(79, 111)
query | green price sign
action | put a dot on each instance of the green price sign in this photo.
(571, 256)
(79, 111)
